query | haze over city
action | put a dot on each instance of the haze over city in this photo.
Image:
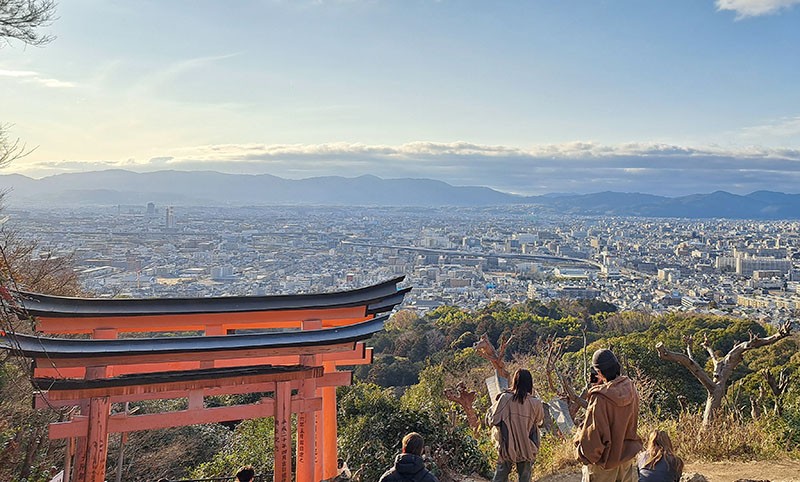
(668, 98)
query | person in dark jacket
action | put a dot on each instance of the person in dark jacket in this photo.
(245, 474)
(409, 466)
(658, 463)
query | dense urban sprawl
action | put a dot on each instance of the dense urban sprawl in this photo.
(461, 256)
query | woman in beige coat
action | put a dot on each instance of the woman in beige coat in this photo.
(515, 418)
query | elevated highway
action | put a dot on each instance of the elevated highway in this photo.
(450, 252)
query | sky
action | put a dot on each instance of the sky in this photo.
(524, 96)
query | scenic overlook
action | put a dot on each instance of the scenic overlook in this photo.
(399, 240)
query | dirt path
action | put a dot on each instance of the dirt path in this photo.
(782, 471)
(778, 471)
(773, 471)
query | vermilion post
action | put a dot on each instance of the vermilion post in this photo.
(329, 444)
(306, 421)
(97, 440)
(283, 432)
(91, 451)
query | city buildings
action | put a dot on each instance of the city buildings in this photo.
(467, 257)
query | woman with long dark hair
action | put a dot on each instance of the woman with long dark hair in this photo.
(658, 463)
(515, 418)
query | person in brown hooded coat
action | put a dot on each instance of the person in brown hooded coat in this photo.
(607, 442)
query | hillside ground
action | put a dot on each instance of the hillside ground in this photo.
(774, 471)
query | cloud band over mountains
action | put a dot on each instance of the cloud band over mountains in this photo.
(578, 167)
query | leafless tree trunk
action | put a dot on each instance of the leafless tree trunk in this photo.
(486, 350)
(778, 387)
(717, 383)
(465, 398)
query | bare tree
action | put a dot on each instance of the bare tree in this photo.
(485, 349)
(10, 150)
(22, 19)
(465, 398)
(778, 387)
(716, 383)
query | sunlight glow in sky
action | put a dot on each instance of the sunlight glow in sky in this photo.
(527, 96)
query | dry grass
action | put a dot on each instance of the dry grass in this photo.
(556, 455)
(728, 439)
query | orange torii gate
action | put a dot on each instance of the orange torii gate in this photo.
(317, 333)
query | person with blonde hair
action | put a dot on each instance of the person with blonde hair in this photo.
(658, 463)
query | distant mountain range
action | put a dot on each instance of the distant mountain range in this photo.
(205, 188)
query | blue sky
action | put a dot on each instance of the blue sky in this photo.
(524, 96)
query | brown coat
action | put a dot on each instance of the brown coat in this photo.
(608, 436)
(518, 421)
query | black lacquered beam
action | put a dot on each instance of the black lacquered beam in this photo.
(279, 372)
(54, 348)
(59, 306)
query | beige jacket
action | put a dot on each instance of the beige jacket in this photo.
(608, 436)
(516, 421)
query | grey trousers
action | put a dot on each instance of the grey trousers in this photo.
(503, 470)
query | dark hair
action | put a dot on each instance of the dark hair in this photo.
(606, 363)
(246, 473)
(521, 385)
(413, 443)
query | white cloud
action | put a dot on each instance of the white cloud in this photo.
(17, 73)
(54, 83)
(754, 8)
(34, 77)
(786, 130)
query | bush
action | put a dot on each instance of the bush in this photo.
(252, 442)
(372, 423)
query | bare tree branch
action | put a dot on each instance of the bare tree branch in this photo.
(571, 393)
(708, 348)
(486, 350)
(10, 150)
(21, 19)
(465, 398)
(687, 362)
(688, 340)
(734, 357)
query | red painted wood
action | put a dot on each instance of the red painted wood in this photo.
(121, 423)
(188, 385)
(335, 379)
(199, 322)
(360, 356)
(329, 445)
(97, 441)
(306, 434)
(43, 400)
(283, 434)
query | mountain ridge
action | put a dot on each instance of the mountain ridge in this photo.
(207, 188)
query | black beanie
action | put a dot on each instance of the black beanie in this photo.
(606, 363)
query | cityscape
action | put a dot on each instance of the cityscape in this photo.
(465, 256)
